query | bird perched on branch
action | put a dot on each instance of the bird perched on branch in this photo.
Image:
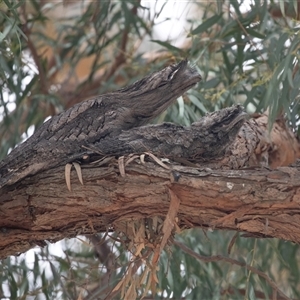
(61, 139)
(207, 138)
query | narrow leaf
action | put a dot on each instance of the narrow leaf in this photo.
(167, 45)
(207, 24)
(255, 33)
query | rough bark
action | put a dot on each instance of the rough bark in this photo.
(261, 202)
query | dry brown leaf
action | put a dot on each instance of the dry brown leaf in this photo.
(281, 144)
(127, 279)
(118, 286)
(102, 161)
(139, 248)
(177, 228)
(143, 276)
(131, 292)
(155, 223)
(80, 296)
(84, 242)
(154, 282)
(156, 256)
(140, 234)
(170, 219)
(147, 288)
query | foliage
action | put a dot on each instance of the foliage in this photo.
(50, 60)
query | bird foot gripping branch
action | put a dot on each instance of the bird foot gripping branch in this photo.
(122, 163)
(68, 168)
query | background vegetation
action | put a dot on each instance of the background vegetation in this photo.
(55, 54)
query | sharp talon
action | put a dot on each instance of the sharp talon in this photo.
(130, 159)
(142, 158)
(121, 166)
(122, 163)
(157, 160)
(68, 175)
(78, 171)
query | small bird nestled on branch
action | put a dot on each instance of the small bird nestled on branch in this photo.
(207, 138)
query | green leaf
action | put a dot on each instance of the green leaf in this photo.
(4, 34)
(282, 7)
(228, 29)
(18, 4)
(290, 78)
(207, 24)
(219, 7)
(13, 286)
(236, 6)
(295, 5)
(198, 103)
(255, 33)
(168, 46)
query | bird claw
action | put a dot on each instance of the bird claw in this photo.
(68, 168)
(78, 171)
(121, 166)
(122, 163)
(156, 159)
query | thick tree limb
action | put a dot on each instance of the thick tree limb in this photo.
(261, 202)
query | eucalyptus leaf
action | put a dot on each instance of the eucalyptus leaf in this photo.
(207, 24)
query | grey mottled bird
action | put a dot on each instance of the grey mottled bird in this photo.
(207, 138)
(61, 139)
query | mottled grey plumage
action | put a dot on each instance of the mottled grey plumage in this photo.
(207, 138)
(60, 139)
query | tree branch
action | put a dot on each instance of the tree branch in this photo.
(258, 201)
